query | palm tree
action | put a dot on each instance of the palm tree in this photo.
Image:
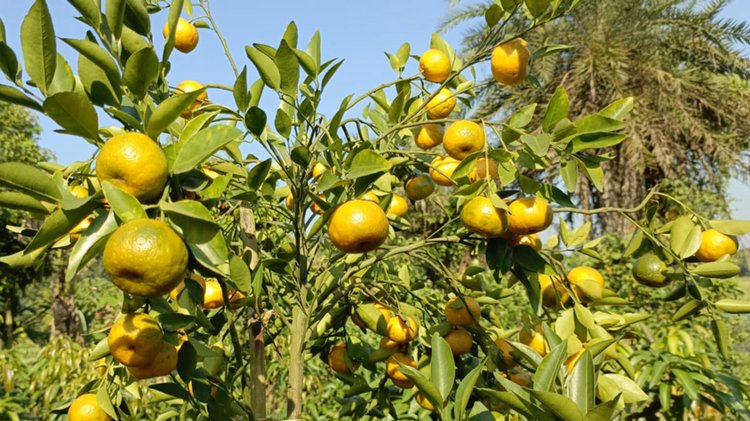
(680, 61)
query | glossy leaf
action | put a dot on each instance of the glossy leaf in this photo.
(464, 391)
(91, 243)
(717, 270)
(721, 336)
(115, 14)
(557, 109)
(38, 45)
(619, 109)
(561, 406)
(255, 120)
(168, 111)
(581, 383)
(239, 90)
(98, 55)
(685, 236)
(288, 66)
(367, 162)
(123, 204)
(89, 9)
(30, 180)
(21, 201)
(611, 385)
(191, 212)
(731, 227)
(257, 175)
(141, 70)
(733, 306)
(8, 61)
(546, 373)
(203, 145)
(74, 112)
(423, 385)
(58, 224)
(266, 67)
(96, 83)
(442, 366)
(15, 96)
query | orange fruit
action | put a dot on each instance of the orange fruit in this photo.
(101, 366)
(510, 62)
(398, 206)
(649, 270)
(402, 331)
(442, 169)
(530, 240)
(371, 196)
(145, 257)
(175, 293)
(289, 201)
(584, 274)
(212, 296)
(517, 376)
(429, 136)
(435, 65)
(552, 290)
(134, 163)
(358, 226)
(419, 187)
(463, 138)
(134, 339)
(163, 363)
(714, 245)
(483, 169)
(506, 352)
(82, 226)
(462, 313)
(459, 340)
(319, 169)
(188, 86)
(388, 343)
(441, 105)
(534, 339)
(404, 384)
(185, 36)
(529, 215)
(423, 402)
(79, 191)
(86, 408)
(337, 359)
(393, 366)
(480, 216)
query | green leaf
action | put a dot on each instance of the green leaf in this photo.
(91, 243)
(123, 204)
(612, 385)
(257, 175)
(721, 336)
(187, 360)
(465, 389)
(58, 224)
(137, 17)
(372, 318)
(522, 117)
(240, 273)
(313, 50)
(171, 389)
(536, 7)
(596, 141)
(8, 61)
(90, 11)
(64, 80)
(423, 385)
(733, 306)
(283, 123)
(203, 145)
(306, 62)
(549, 49)
(493, 14)
(581, 384)
(168, 111)
(685, 237)
(597, 123)
(194, 214)
(21, 201)
(175, 9)
(255, 120)
(15, 96)
(74, 112)
(559, 404)
(97, 84)
(115, 14)
(239, 90)
(546, 373)
(38, 45)
(691, 389)
(98, 55)
(730, 227)
(367, 162)
(24, 178)
(539, 144)
(141, 70)
(688, 309)
(569, 173)
(22, 259)
(717, 270)
(618, 109)
(212, 254)
(442, 366)
(593, 171)
(557, 109)
(604, 411)
(105, 403)
(288, 66)
(266, 67)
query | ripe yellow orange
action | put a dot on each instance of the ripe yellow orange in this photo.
(506, 352)
(529, 215)
(388, 343)
(435, 65)
(404, 384)
(212, 296)
(459, 340)
(337, 359)
(385, 311)
(358, 226)
(188, 86)
(442, 105)
(163, 363)
(462, 313)
(442, 169)
(175, 293)
(393, 366)
(145, 257)
(463, 138)
(371, 196)
(510, 62)
(185, 35)
(134, 163)
(423, 402)
(402, 331)
(534, 339)
(318, 169)
(584, 274)
(82, 226)
(552, 290)
(483, 169)
(101, 367)
(714, 245)
(419, 187)
(86, 408)
(79, 191)
(429, 136)
(398, 206)
(134, 339)
(289, 201)
(480, 216)
(531, 240)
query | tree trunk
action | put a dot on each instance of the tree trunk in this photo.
(65, 315)
(296, 363)
(258, 372)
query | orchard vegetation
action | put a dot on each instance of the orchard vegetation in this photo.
(395, 259)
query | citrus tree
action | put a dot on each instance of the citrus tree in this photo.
(224, 258)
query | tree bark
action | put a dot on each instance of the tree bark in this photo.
(296, 363)
(258, 372)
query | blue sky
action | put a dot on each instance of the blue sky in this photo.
(355, 31)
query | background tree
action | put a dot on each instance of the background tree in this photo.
(680, 61)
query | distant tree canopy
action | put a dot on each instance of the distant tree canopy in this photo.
(678, 59)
